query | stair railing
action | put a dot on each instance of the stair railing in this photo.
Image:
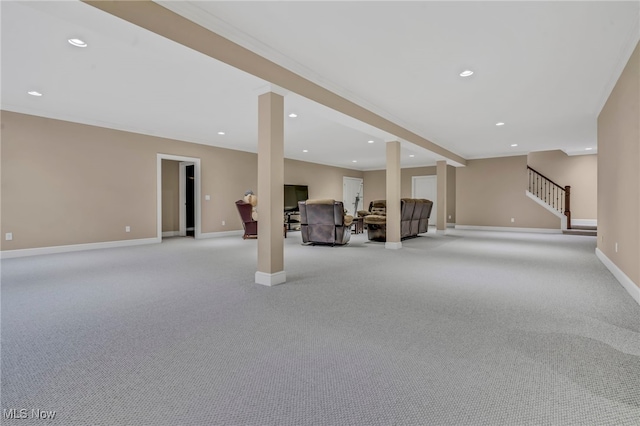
(554, 195)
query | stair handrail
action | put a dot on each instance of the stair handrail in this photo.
(537, 172)
(556, 196)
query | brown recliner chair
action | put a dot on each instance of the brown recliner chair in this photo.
(376, 220)
(250, 226)
(407, 210)
(423, 219)
(324, 222)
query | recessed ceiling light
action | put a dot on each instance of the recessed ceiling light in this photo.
(370, 141)
(34, 93)
(514, 144)
(221, 133)
(500, 123)
(588, 149)
(305, 150)
(292, 115)
(354, 161)
(411, 155)
(77, 42)
(466, 73)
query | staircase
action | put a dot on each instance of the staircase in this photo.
(591, 231)
(557, 200)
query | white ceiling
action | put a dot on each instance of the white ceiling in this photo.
(543, 68)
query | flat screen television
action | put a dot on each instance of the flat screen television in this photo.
(293, 194)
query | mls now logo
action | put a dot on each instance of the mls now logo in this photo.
(23, 413)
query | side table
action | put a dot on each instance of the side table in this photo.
(358, 223)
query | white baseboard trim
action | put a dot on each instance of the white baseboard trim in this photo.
(509, 229)
(265, 278)
(584, 222)
(393, 246)
(622, 278)
(171, 233)
(221, 234)
(8, 254)
(451, 225)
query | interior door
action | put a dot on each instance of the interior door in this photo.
(352, 194)
(189, 202)
(426, 187)
(187, 199)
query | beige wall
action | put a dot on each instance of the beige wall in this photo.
(619, 172)
(323, 181)
(63, 183)
(375, 185)
(66, 183)
(375, 182)
(578, 171)
(489, 192)
(170, 196)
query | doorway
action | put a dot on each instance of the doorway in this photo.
(426, 187)
(352, 194)
(189, 195)
(187, 209)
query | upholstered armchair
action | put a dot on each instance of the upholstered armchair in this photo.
(324, 222)
(376, 220)
(250, 226)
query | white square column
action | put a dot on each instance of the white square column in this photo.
(270, 190)
(441, 171)
(393, 196)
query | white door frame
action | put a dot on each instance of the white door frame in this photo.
(360, 181)
(184, 161)
(433, 217)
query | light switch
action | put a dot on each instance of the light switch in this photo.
(207, 197)
(8, 236)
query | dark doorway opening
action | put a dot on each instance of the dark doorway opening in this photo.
(189, 192)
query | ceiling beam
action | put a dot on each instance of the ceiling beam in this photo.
(156, 18)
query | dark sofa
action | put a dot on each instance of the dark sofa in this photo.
(414, 218)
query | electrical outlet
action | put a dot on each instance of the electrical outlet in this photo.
(127, 229)
(449, 216)
(513, 219)
(8, 236)
(207, 197)
(224, 223)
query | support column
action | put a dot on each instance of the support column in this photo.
(393, 196)
(270, 189)
(441, 170)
